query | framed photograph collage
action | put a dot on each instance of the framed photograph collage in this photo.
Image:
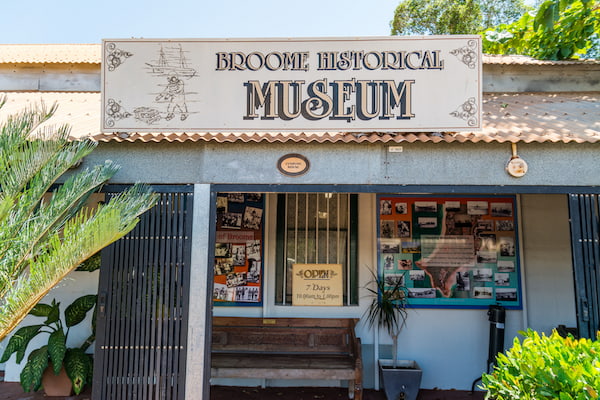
(239, 250)
(455, 252)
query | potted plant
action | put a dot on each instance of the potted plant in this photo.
(44, 365)
(400, 378)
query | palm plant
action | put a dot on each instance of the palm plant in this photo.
(388, 309)
(43, 238)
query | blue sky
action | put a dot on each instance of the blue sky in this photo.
(76, 21)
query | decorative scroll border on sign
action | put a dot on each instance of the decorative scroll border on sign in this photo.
(395, 84)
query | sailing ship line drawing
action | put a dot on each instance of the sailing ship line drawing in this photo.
(172, 62)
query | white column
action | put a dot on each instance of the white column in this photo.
(200, 308)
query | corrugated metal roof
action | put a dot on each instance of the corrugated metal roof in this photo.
(525, 60)
(80, 110)
(510, 117)
(50, 53)
(91, 53)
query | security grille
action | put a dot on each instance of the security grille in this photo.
(143, 306)
(317, 228)
(584, 212)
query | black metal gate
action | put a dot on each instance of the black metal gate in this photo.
(143, 305)
(584, 213)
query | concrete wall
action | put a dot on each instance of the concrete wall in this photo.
(547, 255)
(559, 76)
(551, 164)
(50, 77)
(497, 77)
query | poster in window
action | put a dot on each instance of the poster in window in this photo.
(238, 250)
(317, 285)
(459, 252)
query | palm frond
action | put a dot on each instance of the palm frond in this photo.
(83, 235)
(42, 237)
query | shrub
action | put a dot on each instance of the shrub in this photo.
(546, 367)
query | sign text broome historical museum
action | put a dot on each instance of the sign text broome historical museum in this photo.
(365, 84)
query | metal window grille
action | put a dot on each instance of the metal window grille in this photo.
(316, 228)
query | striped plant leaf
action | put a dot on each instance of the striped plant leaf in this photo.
(31, 376)
(19, 341)
(57, 347)
(78, 309)
(78, 365)
(41, 310)
(54, 314)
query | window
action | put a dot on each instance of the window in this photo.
(317, 228)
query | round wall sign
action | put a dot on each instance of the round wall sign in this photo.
(516, 167)
(293, 165)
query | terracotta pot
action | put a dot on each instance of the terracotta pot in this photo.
(56, 385)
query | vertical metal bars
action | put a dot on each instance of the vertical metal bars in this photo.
(143, 306)
(315, 228)
(584, 217)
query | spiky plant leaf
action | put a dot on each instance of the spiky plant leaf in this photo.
(91, 264)
(57, 347)
(42, 239)
(31, 376)
(19, 341)
(78, 365)
(78, 309)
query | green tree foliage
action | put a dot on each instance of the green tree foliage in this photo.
(559, 30)
(43, 238)
(546, 367)
(442, 17)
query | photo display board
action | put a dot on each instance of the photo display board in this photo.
(456, 252)
(239, 250)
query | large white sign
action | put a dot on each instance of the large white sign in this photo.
(392, 84)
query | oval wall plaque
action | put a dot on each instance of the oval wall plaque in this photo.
(293, 165)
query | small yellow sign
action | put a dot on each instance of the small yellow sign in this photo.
(317, 285)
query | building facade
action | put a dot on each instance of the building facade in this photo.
(389, 186)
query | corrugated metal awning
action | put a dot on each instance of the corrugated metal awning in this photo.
(91, 53)
(50, 54)
(510, 117)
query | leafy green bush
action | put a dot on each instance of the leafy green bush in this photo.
(546, 367)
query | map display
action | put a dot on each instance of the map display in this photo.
(457, 252)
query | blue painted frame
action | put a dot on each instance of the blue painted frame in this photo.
(389, 260)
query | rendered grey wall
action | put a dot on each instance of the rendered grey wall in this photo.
(365, 164)
(547, 257)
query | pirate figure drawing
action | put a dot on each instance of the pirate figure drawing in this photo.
(174, 94)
